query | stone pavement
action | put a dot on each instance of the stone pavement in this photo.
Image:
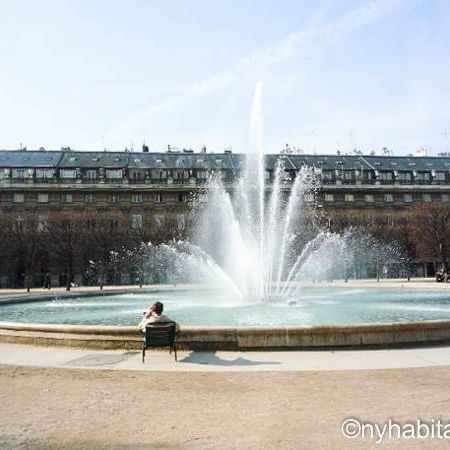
(221, 361)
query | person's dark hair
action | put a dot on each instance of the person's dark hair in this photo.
(158, 308)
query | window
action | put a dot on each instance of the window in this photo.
(66, 198)
(349, 197)
(91, 174)
(90, 224)
(136, 221)
(369, 198)
(90, 198)
(388, 198)
(404, 177)
(422, 176)
(445, 197)
(181, 221)
(67, 173)
(18, 224)
(181, 174)
(440, 176)
(136, 198)
(19, 173)
(42, 198)
(327, 175)
(386, 176)
(159, 198)
(114, 174)
(136, 175)
(159, 220)
(348, 175)
(181, 198)
(44, 173)
(390, 220)
(159, 174)
(407, 198)
(426, 197)
(42, 223)
(114, 197)
(113, 223)
(202, 174)
(18, 198)
(329, 197)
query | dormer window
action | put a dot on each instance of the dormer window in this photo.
(67, 173)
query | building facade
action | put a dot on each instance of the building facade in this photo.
(148, 188)
(140, 183)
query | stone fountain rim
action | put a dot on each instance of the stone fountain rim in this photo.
(223, 337)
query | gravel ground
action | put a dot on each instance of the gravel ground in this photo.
(85, 409)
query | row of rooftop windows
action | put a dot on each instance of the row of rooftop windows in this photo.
(94, 174)
(182, 175)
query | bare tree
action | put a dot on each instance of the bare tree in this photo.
(65, 231)
(430, 232)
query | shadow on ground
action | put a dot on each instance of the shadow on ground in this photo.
(212, 359)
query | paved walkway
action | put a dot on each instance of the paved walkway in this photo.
(392, 283)
(189, 361)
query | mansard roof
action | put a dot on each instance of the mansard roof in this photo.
(26, 158)
(94, 159)
(214, 161)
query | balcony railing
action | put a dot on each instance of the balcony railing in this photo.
(181, 181)
(114, 180)
(43, 180)
(91, 180)
(137, 180)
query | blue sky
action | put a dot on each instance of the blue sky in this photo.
(335, 74)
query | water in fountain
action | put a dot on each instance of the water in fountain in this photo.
(249, 231)
(246, 241)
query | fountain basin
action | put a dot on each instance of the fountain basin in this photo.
(403, 329)
(231, 338)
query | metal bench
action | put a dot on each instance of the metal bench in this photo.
(160, 335)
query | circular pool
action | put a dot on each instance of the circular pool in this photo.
(200, 307)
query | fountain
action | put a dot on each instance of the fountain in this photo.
(245, 238)
(246, 266)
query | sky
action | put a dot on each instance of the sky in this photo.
(333, 75)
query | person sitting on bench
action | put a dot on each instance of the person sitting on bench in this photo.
(154, 315)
